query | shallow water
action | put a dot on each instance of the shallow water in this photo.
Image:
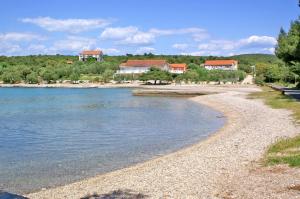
(53, 136)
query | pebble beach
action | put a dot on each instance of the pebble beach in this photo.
(225, 165)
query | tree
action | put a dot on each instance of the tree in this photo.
(32, 78)
(11, 77)
(107, 75)
(74, 77)
(288, 47)
(191, 75)
(156, 74)
(49, 76)
(193, 66)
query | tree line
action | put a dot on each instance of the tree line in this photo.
(58, 68)
(287, 69)
(288, 48)
(194, 74)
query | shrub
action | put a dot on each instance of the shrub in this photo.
(11, 77)
(260, 80)
(32, 78)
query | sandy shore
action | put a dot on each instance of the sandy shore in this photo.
(226, 165)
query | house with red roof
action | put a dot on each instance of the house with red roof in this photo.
(221, 64)
(177, 68)
(142, 66)
(84, 55)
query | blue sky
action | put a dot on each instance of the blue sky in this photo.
(194, 27)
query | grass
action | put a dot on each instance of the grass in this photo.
(284, 151)
(278, 101)
(89, 77)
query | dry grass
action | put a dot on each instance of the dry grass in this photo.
(276, 100)
(284, 151)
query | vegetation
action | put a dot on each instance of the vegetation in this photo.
(199, 74)
(156, 74)
(285, 151)
(288, 48)
(50, 69)
(57, 68)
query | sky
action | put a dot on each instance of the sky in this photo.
(119, 27)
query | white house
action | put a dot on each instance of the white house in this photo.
(141, 66)
(84, 55)
(177, 68)
(221, 64)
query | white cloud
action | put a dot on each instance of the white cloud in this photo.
(258, 40)
(180, 46)
(74, 44)
(141, 38)
(198, 34)
(119, 32)
(128, 36)
(254, 44)
(202, 53)
(67, 25)
(37, 49)
(110, 51)
(131, 35)
(9, 49)
(143, 50)
(269, 50)
(217, 45)
(19, 36)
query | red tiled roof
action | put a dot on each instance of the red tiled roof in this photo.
(91, 52)
(144, 63)
(178, 66)
(220, 62)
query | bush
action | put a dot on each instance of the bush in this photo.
(74, 77)
(96, 79)
(49, 76)
(11, 77)
(156, 74)
(32, 78)
(260, 80)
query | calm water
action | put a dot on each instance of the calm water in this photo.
(51, 136)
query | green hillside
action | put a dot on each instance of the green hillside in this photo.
(51, 68)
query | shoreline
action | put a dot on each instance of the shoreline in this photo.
(121, 85)
(67, 85)
(201, 170)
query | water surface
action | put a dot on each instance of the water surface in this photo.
(54, 136)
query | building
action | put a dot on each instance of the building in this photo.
(84, 55)
(142, 66)
(177, 68)
(221, 64)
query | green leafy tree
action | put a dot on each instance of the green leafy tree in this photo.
(107, 75)
(156, 75)
(32, 78)
(74, 77)
(10, 77)
(49, 76)
(288, 49)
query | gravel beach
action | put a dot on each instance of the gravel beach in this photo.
(225, 165)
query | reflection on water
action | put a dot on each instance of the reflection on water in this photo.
(55, 136)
